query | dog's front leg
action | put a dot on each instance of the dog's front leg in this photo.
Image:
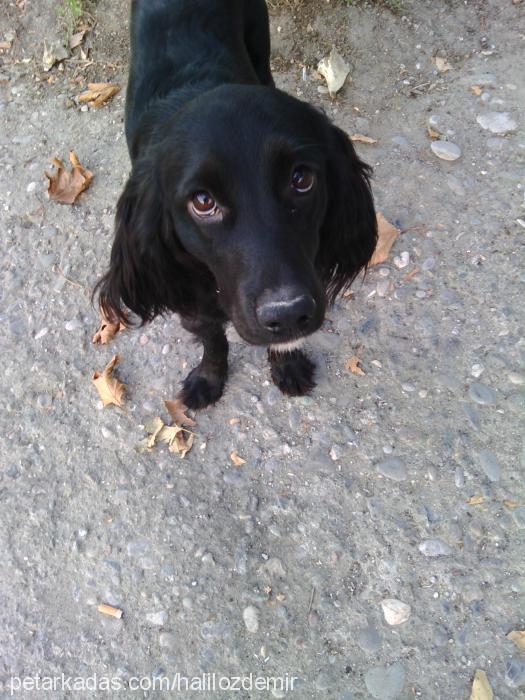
(204, 384)
(292, 371)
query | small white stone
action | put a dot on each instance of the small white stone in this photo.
(497, 122)
(250, 616)
(31, 187)
(395, 611)
(41, 333)
(402, 260)
(446, 150)
(477, 370)
(157, 618)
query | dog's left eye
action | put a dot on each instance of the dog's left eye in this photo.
(303, 179)
(204, 206)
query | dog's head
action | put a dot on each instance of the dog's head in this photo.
(252, 191)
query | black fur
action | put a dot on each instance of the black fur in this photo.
(203, 115)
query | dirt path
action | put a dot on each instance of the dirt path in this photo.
(355, 495)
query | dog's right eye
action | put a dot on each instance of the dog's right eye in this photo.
(204, 206)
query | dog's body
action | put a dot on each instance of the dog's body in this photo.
(243, 204)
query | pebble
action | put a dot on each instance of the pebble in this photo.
(514, 377)
(489, 464)
(369, 640)
(482, 394)
(383, 287)
(392, 468)
(336, 452)
(385, 682)
(518, 515)
(157, 618)
(435, 548)
(167, 640)
(395, 611)
(446, 150)
(515, 672)
(455, 185)
(250, 615)
(402, 260)
(73, 325)
(497, 122)
(477, 370)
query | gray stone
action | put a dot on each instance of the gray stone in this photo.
(446, 150)
(369, 639)
(385, 682)
(392, 468)
(515, 672)
(435, 548)
(158, 618)
(497, 122)
(489, 464)
(482, 394)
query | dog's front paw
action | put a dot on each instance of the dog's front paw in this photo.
(199, 390)
(293, 372)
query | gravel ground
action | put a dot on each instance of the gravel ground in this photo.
(353, 496)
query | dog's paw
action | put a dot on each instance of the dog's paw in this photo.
(199, 391)
(293, 373)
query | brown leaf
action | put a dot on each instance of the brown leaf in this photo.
(98, 94)
(362, 139)
(175, 437)
(77, 39)
(476, 500)
(238, 461)
(65, 185)
(177, 411)
(110, 389)
(387, 234)
(518, 637)
(481, 689)
(433, 134)
(108, 330)
(353, 365)
(508, 503)
(476, 89)
(442, 64)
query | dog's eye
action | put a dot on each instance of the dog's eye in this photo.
(303, 179)
(203, 205)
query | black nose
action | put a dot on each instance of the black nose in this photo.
(287, 315)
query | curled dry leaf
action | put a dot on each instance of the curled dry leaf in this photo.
(518, 637)
(386, 237)
(177, 411)
(55, 52)
(476, 500)
(433, 134)
(98, 94)
(110, 389)
(238, 461)
(77, 38)
(362, 139)
(481, 689)
(65, 185)
(442, 64)
(353, 365)
(178, 439)
(334, 70)
(476, 89)
(108, 330)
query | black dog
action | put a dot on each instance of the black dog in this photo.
(243, 204)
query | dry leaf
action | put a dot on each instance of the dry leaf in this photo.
(76, 39)
(5, 45)
(387, 234)
(108, 330)
(55, 52)
(476, 89)
(476, 500)
(238, 461)
(481, 689)
(509, 504)
(110, 389)
(442, 64)
(433, 134)
(172, 435)
(362, 139)
(177, 411)
(518, 637)
(98, 94)
(353, 365)
(334, 70)
(110, 610)
(65, 185)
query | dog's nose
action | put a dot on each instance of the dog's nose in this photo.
(287, 315)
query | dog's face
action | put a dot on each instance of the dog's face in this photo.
(266, 194)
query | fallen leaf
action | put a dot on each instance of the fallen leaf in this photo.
(353, 365)
(98, 93)
(334, 70)
(172, 435)
(386, 237)
(111, 390)
(5, 45)
(238, 461)
(433, 134)
(110, 610)
(362, 139)
(476, 500)
(53, 53)
(476, 89)
(77, 39)
(518, 637)
(481, 689)
(442, 64)
(177, 411)
(65, 185)
(108, 330)
(509, 504)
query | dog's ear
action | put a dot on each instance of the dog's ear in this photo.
(148, 269)
(349, 232)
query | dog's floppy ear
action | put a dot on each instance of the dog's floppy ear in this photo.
(148, 269)
(349, 232)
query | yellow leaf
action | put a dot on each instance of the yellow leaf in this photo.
(475, 500)
(177, 410)
(481, 689)
(362, 139)
(433, 134)
(110, 389)
(98, 93)
(238, 461)
(386, 237)
(107, 330)
(476, 89)
(353, 365)
(518, 637)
